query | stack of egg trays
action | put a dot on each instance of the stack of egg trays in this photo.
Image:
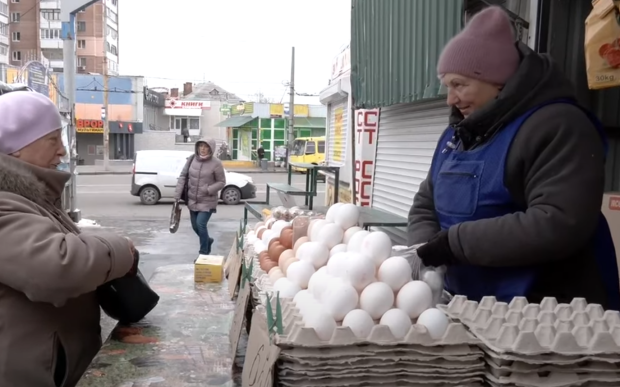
(455, 360)
(546, 344)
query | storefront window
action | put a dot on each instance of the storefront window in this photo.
(178, 123)
(298, 147)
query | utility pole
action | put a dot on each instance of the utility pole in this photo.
(104, 113)
(291, 112)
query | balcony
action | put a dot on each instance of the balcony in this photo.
(51, 24)
(4, 40)
(50, 4)
(51, 44)
(57, 64)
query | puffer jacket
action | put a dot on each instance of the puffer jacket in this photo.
(204, 177)
(49, 314)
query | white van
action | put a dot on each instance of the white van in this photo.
(155, 175)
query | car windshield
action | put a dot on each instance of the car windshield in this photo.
(299, 148)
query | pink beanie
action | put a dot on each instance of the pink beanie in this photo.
(25, 117)
(484, 50)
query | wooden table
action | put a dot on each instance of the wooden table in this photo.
(182, 343)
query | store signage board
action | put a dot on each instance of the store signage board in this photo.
(261, 355)
(239, 316)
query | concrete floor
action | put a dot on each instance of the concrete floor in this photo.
(106, 200)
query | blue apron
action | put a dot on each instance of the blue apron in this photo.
(469, 185)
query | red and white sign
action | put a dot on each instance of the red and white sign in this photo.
(341, 63)
(614, 203)
(173, 103)
(366, 127)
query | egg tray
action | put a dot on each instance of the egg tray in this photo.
(368, 379)
(520, 367)
(441, 364)
(391, 370)
(296, 334)
(577, 328)
(552, 379)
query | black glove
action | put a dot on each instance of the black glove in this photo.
(437, 251)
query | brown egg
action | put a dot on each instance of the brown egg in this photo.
(262, 256)
(271, 242)
(263, 264)
(273, 270)
(286, 238)
(260, 233)
(268, 265)
(286, 254)
(299, 242)
(276, 251)
(288, 263)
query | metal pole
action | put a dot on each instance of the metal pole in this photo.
(106, 127)
(69, 56)
(291, 109)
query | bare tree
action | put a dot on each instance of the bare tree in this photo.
(261, 98)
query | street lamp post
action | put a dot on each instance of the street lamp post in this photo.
(68, 12)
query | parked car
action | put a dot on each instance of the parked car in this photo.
(155, 174)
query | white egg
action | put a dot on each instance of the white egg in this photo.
(267, 235)
(278, 226)
(376, 299)
(318, 282)
(332, 212)
(414, 298)
(398, 322)
(348, 233)
(395, 271)
(302, 298)
(274, 235)
(337, 265)
(287, 288)
(359, 271)
(378, 246)
(331, 234)
(316, 253)
(434, 280)
(341, 248)
(360, 323)
(339, 299)
(261, 228)
(259, 225)
(300, 273)
(311, 226)
(435, 321)
(316, 229)
(323, 324)
(348, 215)
(259, 246)
(355, 243)
(310, 308)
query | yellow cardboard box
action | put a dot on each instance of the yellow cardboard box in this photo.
(209, 268)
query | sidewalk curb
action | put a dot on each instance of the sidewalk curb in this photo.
(96, 173)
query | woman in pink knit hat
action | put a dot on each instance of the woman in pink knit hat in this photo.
(512, 201)
(49, 270)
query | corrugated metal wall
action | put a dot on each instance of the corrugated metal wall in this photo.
(395, 45)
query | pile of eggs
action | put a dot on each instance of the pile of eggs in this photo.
(342, 275)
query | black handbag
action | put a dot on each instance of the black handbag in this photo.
(184, 193)
(127, 299)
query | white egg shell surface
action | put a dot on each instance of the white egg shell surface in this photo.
(376, 299)
(378, 246)
(300, 273)
(395, 271)
(360, 323)
(339, 299)
(414, 298)
(323, 324)
(331, 234)
(259, 246)
(318, 282)
(333, 212)
(355, 243)
(337, 265)
(278, 226)
(259, 225)
(267, 235)
(311, 226)
(359, 270)
(434, 280)
(435, 321)
(398, 322)
(348, 215)
(341, 248)
(316, 253)
(286, 288)
(316, 230)
(348, 234)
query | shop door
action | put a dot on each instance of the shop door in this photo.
(337, 133)
(408, 135)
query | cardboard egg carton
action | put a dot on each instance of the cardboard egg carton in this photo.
(531, 329)
(297, 334)
(590, 366)
(394, 369)
(432, 363)
(551, 379)
(459, 355)
(370, 380)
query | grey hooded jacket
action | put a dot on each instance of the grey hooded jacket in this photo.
(205, 178)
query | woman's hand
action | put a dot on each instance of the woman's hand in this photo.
(437, 251)
(136, 258)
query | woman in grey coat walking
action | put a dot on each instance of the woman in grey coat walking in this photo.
(205, 177)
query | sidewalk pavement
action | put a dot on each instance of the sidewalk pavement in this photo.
(86, 170)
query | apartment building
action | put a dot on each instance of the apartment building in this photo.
(34, 34)
(4, 32)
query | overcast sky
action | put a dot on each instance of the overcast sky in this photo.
(242, 45)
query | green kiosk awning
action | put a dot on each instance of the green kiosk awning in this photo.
(310, 122)
(235, 122)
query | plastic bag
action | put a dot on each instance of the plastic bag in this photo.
(433, 276)
(602, 45)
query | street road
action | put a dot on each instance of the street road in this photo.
(106, 200)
